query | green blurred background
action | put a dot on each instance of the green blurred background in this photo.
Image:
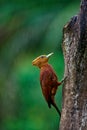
(29, 28)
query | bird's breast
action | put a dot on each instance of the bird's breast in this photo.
(48, 77)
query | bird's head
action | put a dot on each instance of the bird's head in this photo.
(41, 60)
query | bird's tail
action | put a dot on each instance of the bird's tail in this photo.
(57, 109)
(54, 104)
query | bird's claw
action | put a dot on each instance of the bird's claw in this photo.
(64, 79)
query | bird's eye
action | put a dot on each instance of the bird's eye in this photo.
(42, 56)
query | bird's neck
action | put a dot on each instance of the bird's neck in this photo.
(46, 65)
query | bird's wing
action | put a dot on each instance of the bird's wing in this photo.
(49, 78)
(48, 81)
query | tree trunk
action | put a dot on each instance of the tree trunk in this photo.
(74, 110)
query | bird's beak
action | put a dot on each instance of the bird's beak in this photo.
(49, 55)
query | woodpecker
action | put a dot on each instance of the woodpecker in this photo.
(48, 80)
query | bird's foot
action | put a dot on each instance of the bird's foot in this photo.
(62, 81)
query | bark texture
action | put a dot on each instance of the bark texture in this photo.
(74, 110)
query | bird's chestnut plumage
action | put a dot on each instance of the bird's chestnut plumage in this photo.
(48, 79)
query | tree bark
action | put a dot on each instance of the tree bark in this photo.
(74, 109)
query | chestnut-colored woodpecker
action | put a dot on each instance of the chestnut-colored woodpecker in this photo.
(48, 79)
